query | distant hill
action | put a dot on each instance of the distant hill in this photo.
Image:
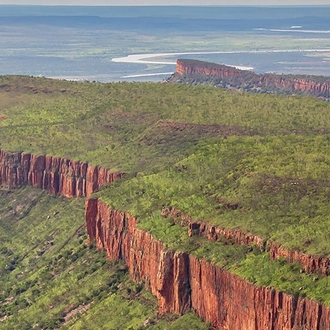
(199, 72)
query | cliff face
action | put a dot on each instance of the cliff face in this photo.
(310, 263)
(164, 272)
(250, 81)
(56, 175)
(181, 281)
(189, 68)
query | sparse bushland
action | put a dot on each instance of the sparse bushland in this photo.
(283, 195)
(51, 278)
(141, 127)
(189, 147)
(279, 183)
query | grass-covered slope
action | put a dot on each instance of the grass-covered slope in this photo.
(280, 185)
(50, 278)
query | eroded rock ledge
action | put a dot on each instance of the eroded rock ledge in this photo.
(181, 281)
(310, 263)
(56, 175)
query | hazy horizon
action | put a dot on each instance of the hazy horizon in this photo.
(167, 3)
(99, 43)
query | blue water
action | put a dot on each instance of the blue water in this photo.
(80, 42)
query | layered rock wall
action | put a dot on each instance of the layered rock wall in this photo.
(57, 175)
(163, 271)
(181, 281)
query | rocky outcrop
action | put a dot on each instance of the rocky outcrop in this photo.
(224, 76)
(211, 232)
(181, 281)
(310, 263)
(57, 175)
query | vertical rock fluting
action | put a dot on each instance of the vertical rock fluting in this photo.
(164, 272)
(57, 175)
(230, 302)
(181, 281)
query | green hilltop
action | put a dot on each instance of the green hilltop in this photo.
(139, 127)
(194, 148)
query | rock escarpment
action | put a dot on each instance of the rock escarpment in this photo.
(199, 68)
(180, 281)
(57, 175)
(163, 271)
(193, 71)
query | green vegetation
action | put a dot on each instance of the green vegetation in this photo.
(50, 278)
(195, 148)
(139, 127)
(279, 186)
(279, 183)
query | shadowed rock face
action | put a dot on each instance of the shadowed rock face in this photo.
(57, 175)
(318, 86)
(181, 282)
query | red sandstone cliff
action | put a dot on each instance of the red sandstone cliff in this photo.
(191, 67)
(247, 80)
(56, 175)
(181, 281)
